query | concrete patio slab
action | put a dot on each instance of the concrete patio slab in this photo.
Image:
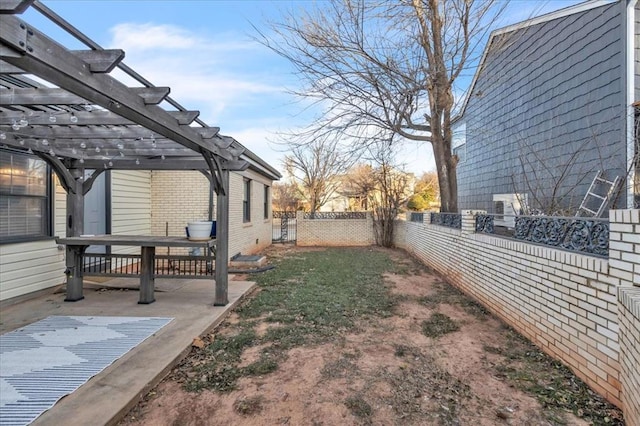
(108, 396)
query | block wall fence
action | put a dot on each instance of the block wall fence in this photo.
(583, 310)
(580, 309)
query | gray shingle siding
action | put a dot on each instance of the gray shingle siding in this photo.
(637, 51)
(546, 92)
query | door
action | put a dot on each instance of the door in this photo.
(95, 210)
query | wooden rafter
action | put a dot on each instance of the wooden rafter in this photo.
(41, 56)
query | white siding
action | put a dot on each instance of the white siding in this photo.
(130, 206)
(38, 265)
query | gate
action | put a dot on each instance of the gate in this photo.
(284, 227)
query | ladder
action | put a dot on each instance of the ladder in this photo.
(592, 198)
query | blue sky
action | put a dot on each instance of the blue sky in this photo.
(205, 52)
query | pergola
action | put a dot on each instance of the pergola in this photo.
(65, 107)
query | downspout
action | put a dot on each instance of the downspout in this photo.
(629, 15)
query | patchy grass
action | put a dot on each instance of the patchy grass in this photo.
(446, 293)
(554, 385)
(423, 392)
(310, 299)
(438, 325)
(359, 407)
(248, 406)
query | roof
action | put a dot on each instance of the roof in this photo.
(63, 106)
(581, 7)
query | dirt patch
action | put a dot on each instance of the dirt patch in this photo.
(377, 369)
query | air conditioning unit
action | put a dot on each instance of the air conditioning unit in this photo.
(506, 206)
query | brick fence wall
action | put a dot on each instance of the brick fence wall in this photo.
(577, 308)
(334, 232)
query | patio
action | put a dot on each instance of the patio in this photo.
(117, 388)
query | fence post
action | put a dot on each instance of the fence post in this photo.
(469, 221)
(426, 218)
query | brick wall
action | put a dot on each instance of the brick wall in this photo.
(253, 236)
(629, 318)
(334, 232)
(178, 197)
(564, 302)
(624, 265)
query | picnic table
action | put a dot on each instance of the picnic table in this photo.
(76, 247)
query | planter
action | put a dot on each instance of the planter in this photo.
(199, 231)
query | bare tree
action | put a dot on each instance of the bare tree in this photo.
(386, 70)
(392, 191)
(359, 185)
(317, 165)
(286, 197)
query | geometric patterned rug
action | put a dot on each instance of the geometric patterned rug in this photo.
(46, 360)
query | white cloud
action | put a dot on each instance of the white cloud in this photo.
(130, 36)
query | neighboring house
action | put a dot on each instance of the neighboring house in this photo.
(121, 202)
(550, 105)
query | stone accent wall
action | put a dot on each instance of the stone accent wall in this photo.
(566, 303)
(334, 232)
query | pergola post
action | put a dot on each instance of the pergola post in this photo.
(75, 228)
(222, 243)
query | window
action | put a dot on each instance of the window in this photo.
(266, 202)
(246, 201)
(459, 140)
(25, 197)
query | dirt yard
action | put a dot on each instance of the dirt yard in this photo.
(399, 347)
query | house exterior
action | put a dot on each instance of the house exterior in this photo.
(250, 211)
(549, 106)
(129, 202)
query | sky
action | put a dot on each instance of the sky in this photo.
(205, 51)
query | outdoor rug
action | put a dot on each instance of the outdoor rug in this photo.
(46, 360)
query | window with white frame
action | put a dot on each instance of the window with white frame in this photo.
(25, 197)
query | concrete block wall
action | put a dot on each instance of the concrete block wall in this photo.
(566, 303)
(334, 232)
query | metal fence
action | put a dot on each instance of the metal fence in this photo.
(451, 220)
(584, 235)
(416, 217)
(335, 215)
(284, 227)
(128, 265)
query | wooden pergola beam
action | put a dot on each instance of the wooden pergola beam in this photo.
(86, 118)
(41, 56)
(54, 96)
(74, 131)
(170, 163)
(11, 7)
(101, 61)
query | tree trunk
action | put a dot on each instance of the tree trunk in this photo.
(447, 178)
